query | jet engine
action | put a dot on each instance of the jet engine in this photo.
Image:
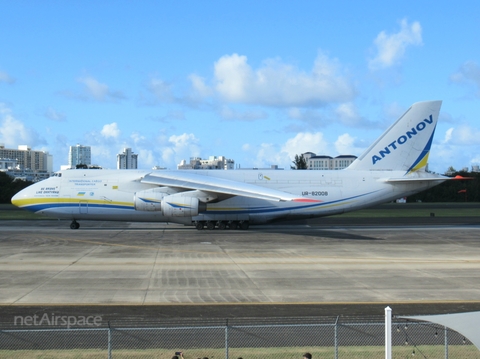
(149, 200)
(181, 205)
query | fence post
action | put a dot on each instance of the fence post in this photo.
(226, 340)
(446, 343)
(336, 338)
(388, 333)
(109, 341)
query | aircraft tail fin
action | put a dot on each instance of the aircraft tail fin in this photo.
(405, 145)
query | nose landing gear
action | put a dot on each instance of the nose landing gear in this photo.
(74, 225)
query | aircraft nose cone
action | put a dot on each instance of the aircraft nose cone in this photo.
(16, 200)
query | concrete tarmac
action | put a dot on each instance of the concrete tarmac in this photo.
(319, 268)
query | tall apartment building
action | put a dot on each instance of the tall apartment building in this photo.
(127, 159)
(79, 155)
(27, 159)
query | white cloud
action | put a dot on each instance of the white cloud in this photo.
(110, 130)
(246, 147)
(391, 48)
(146, 158)
(268, 154)
(54, 115)
(232, 75)
(469, 74)
(101, 151)
(229, 113)
(463, 135)
(180, 147)
(97, 91)
(13, 132)
(173, 115)
(305, 142)
(448, 135)
(348, 115)
(137, 138)
(199, 87)
(161, 90)
(5, 77)
(345, 145)
(310, 116)
(280, 84)
(274, 84)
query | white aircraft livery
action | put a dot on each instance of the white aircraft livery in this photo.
(392, 167)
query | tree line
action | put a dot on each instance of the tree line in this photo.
(10, 187)
(452, 191)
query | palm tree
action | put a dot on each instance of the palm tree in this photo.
(300, 163)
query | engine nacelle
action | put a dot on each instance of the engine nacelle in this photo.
(181, 205)
(149, 200)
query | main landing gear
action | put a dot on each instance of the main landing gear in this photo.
(243, 225)
(74, 225)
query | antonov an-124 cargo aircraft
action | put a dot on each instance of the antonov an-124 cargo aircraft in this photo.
(392, 167)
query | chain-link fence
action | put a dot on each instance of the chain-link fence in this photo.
(232, 341)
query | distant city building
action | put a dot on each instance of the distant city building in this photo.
(315, 162)
(7, 164)
(213, 163)
(27, 159)
(127, 159)
(28, 175)
(79, 155)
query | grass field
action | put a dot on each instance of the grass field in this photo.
(9, 211)
(416, 210)
(360, 352)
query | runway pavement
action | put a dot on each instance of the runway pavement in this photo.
(323, 267)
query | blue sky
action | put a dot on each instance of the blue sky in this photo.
(256, 81)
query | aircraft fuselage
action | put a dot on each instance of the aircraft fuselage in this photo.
(111, 195)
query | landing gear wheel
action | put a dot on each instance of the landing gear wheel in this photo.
(244, 225)
(222, 225)
(210, 225)
(233, 225)
(74, 225)
(199, 225)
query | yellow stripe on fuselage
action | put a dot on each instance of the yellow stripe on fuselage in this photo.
(33, 201)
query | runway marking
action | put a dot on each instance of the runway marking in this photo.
(336, 260)
(55, 275)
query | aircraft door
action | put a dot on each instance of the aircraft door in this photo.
(83, 206)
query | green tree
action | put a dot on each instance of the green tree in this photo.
(452, 190)
(9, 187)
(300, 163)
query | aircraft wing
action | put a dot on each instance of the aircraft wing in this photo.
(192, 181)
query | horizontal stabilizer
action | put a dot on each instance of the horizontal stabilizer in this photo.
(420, 176)
(406, 179)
